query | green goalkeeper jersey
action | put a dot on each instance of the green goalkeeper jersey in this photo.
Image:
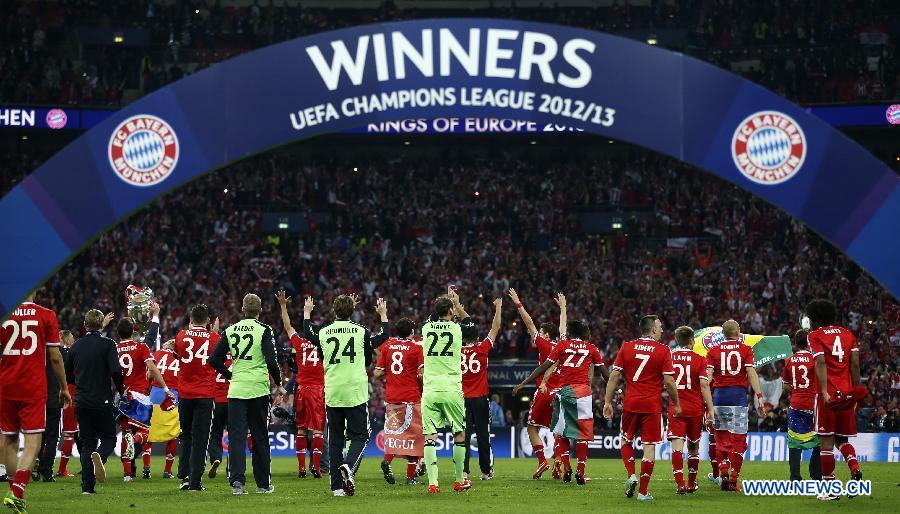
(442, 345)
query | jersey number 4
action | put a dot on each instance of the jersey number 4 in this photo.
(445, 352)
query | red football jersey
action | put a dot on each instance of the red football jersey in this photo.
(575, 358)
(197, 377)
(401, 360)
(544, 348)
(800, 373)
(690, 369)
(643, 362)
(309, 366)
(835, 343)
(221, 387)
(168, 366)
(729, 360)
(25, 337)
(133, 357)
(474, 368)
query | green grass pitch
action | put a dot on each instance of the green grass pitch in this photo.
(513, 490)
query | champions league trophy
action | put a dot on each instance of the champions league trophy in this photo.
(138, 304)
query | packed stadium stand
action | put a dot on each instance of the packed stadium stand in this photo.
(372, 220)
(690, 247)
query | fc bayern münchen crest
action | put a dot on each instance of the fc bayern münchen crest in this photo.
(143, 150)
(768, 147)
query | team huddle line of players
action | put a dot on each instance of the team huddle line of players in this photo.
(444, 371)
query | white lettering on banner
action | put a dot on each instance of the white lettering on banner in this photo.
(501, 50)
(17, 117)
(398, 100)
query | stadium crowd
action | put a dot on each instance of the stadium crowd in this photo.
(821, 51)
(403, 227)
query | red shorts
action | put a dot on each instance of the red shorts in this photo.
(309, 407)
(833, 422)
(541, 411)
(69, 422)
(729, 442)
(26, 416)
(649, 424)
(688, 428)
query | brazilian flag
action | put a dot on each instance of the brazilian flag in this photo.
(766, 349)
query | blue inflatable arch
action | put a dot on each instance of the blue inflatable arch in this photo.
(607, 85)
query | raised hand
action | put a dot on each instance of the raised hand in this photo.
(283, 298)
(308, 306)
(154, 309)
(381, 308)
(215, 325)
(355, 298)
(513, 296)
(560, 300)
(498, 302)
(107, 319)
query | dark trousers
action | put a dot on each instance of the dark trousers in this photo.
(50, 439)
(346, 423)
(195, 415)
(98, 434)
(219, 422)
(252, 414)
(794, 457)
(478, 421)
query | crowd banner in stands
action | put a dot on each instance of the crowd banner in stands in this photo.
(440, 69)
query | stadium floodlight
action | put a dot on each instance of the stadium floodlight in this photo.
(651, 40)
(617, 225)
(118, 38)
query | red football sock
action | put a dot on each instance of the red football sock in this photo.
(581, 455)
(318, 444)
(737, 459)
(20, 481)
(849, 453)
(826, 457)
(678, 468)
(693, 465)
(713, 458)
(646, 473)
(145, 456)
(411, 463)
(724, 465)
(66, 451)
(300, 446)
(564, 448)
(389, 457)
(628, 458)
(171, 448)
(539, 453)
